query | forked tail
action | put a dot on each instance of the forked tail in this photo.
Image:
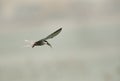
(49, 44)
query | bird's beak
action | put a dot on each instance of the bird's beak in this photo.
(33, 45)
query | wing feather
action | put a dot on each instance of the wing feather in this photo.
(53, 34)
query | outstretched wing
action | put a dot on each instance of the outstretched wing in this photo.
(53, 34)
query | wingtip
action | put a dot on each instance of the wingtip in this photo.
(60, 29)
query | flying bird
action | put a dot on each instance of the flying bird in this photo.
(44, 40)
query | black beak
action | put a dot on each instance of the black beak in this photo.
(33, 45)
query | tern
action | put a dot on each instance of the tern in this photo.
(44, 40)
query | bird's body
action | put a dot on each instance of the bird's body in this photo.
(39, 43)
(44, 41)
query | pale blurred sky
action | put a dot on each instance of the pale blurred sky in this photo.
(83, 10)
(85, 23)
(87, 49)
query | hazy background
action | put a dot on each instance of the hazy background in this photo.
(88, 48)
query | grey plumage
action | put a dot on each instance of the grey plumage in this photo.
(44, 40)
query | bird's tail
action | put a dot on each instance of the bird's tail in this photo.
(49, 44)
